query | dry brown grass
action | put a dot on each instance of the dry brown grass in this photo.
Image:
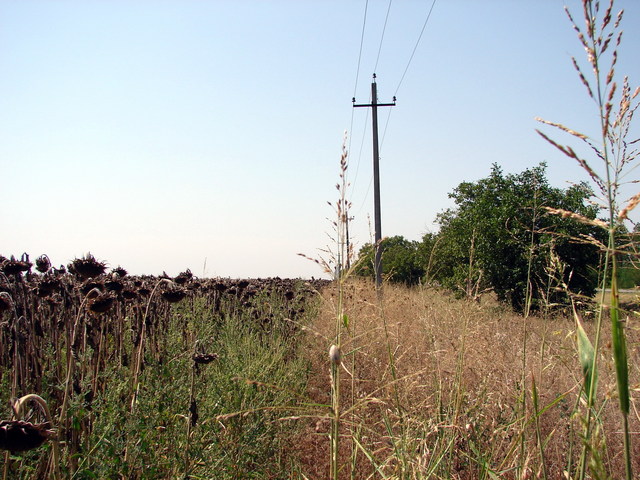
(454, 407)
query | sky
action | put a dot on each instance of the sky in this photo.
(165, 135)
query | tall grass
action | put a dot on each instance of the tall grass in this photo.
(460, 386)
(463, 424)
(614, 158)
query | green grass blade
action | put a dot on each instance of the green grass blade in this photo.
(586, 355)
(619, 345)
(619, 349)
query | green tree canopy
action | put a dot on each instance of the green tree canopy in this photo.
(500, 236)
(401, 261)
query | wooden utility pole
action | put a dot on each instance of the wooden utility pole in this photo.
(376, 175)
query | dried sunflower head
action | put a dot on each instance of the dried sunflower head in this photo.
(204, 358)
(43, 264)
(89, 285)
(144, 291)
(20, 436)
(174, 294)
(114, 285)
(47, 286)
(129, 294)
(121, 272)
(87, 267)
(101, 303)
(183, 277)
(16, 267)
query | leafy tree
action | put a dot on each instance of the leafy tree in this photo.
(401, 262)
(500, 236)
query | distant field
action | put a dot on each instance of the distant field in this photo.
(627, 296)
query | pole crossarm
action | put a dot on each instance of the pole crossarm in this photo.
(375, 104)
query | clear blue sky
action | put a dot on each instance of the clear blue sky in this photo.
(163, 135)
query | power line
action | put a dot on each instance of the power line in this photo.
(355, 86)
(366, 195)
(384, 132)
(416, 46)
(364, 22)
(360, 152)
(384, 28)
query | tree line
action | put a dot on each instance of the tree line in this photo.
(505, 235)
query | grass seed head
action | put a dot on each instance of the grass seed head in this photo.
(335, 355)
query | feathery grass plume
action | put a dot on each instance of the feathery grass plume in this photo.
(633, 203)
(335, 260)
(576, 216)
(616, 160)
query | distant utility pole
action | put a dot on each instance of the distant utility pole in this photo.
(376, 175)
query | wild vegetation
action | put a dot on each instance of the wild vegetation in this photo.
(145, 377)
(510, 233)
(474, 390)
(105, 375)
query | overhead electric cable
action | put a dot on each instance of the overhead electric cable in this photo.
(364, 23)
(384, 132)
(355, 86)
(416, 46)
(366, 196)
(366, 123)
(382, 36)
